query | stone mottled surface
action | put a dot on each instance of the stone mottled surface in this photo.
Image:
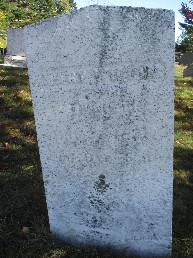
(186, 58)
(15, 44)
(102, 88)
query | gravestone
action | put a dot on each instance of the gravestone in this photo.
(15, 44)
(186, 58)
(188, 72)
(102, 88)
(15, 48)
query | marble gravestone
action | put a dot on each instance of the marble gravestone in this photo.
(15, 44)
(188, 72)
(102, 88)
(15, 48)
(186, 58)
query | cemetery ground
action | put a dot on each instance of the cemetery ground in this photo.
(24, 228)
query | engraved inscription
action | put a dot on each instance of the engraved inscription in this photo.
(122, 74)
(143, 238)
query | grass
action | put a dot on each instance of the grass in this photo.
(183, 166)
(24, 227)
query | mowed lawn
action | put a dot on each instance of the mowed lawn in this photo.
(24, 227)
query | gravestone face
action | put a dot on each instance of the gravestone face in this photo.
(15, 44)
(102, 87)
(186, 58)
(15, 49)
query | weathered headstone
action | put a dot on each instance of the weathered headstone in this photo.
(15, 42)
(102, 87)
(188, 72)
(186, 58)
(15, 48)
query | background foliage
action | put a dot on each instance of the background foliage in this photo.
(185, 43)
(18, 13)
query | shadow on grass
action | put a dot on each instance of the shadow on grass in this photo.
(184, 81)
(9, 76)
(187, 117)
(183, 202)
(22, 198)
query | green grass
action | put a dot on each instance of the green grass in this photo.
(24, 227)
(183, 166)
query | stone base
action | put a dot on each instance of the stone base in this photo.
(15, 61)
